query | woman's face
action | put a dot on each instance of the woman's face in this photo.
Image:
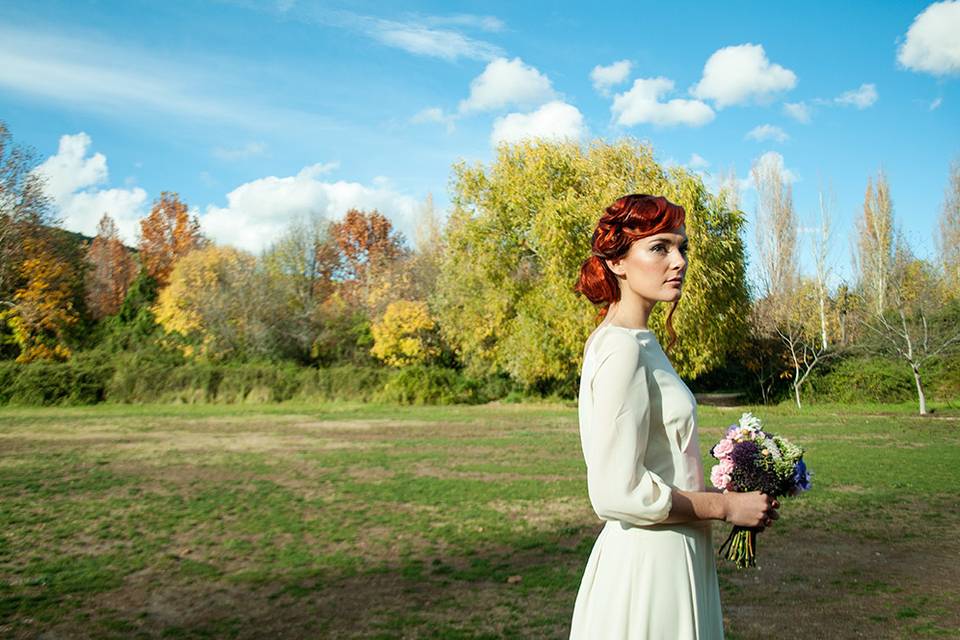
(653, 264)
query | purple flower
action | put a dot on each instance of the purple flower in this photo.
(745, 453)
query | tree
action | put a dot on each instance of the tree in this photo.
(112, 270)
(221, 304)
(518, 233)
(405, 336)
(776, 229)
(821, 253)
(792, 308)
(167, 234)
(905, 299)
(875, 248)
(44, 309)
(366, 242)
(24, 209)
(948, 240)
(300, 265)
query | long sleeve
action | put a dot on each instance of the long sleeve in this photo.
(619, 484)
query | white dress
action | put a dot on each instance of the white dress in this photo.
(638, 431)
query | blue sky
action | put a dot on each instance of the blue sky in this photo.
(257, 112)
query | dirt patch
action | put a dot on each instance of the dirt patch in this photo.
(545, 514)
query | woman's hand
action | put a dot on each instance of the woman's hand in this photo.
(750, 509)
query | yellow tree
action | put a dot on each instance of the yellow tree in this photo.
(221, 303)
(405, 334)
(112, 269)
(167, 234)
(25, 209)
(519, 231)
(43, 309)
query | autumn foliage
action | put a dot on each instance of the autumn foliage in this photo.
(366, 241)
(43, 308)
(112, 269)
(406, 334)
(167, 234)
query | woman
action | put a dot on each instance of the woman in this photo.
(651, 573)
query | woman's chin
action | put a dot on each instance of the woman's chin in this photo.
(671, 293)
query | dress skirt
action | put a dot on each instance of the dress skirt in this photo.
(649, 583)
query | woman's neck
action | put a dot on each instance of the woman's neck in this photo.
(632, 314)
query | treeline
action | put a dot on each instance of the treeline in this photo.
(476, 308)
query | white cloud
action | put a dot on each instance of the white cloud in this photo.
(936, 104)
(767, 132)
(860, 98)
(773, 160)
(641, 104)
(741, 74)
(507, 82)
(799, 111)
(484, 23)
(257, 212)
(605, 78)
(697, 161)
(71, 180)
(932, 44)
(249, 150)
(426, 41)
(435, 114)
(553, 121)
(417, 34)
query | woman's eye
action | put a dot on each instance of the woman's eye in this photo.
(659, 247)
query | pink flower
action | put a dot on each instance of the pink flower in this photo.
(719, 479)
(723, 448)
(726, 466)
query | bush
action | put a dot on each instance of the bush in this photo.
(864, 379)
(422, 384)
(78, 381)
(136, 377)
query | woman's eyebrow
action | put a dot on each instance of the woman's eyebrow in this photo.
(665, 239)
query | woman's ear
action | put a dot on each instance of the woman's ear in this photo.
(616, 266)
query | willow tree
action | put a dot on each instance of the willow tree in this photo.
(520, 228)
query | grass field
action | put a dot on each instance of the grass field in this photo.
(291, 521)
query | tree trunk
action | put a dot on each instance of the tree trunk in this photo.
(920, 394)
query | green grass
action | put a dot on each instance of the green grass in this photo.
(374, 521)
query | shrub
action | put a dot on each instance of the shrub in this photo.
(54, 383)
(137, 378)
(864, 379)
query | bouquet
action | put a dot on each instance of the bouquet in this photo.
(751, 459)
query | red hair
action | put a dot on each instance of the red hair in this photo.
(624, 222)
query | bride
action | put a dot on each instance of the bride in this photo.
(651, 572)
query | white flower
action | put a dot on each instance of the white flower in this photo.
(750, 421)
(772, 447)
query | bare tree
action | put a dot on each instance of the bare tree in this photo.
(790, 302)
(776, 228)
(875, 247)
(905, 313)
(906, 328)
(821, 253)
(948, 240)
